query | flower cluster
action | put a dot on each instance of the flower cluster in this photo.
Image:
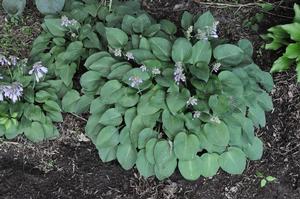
(66, 22)
(13, 92)
(192, 101)
(209, 32)
(10, 61)
(135, 81)
(38, 70)
(216, 67)
(179, 73)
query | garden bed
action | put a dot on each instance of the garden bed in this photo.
(69, 167)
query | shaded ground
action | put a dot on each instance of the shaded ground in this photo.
(70, 168)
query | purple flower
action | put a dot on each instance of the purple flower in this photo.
(135, 81)
(13, 60)
(1, 93)
(38, 70)
(65, 22)
(179, 73)
(13, 91)
(196, 114)
(192, 101)
(118, 52)
(129, 56)
(4, 61)
(156, 71)
(216, 67)
(143, 68)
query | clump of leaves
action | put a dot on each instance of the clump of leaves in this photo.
(288, 36)
(27, 104)
(16, 8)
(264, 180)
(160, 96)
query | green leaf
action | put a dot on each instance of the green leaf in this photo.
(144, 136)
(103, 65)
(297, 13)
(66, 72)
(189, 169)
(200, 70)
(35, 132)
(257, 115)
(69, 101)
(231, 84)
(228, 54)
(219, 104)
(233, 161)
(129, 98)
(293, 51)
(246, 46)
(293, 30)
(186, 20)
(90, 81)
(108, 137)
(149, 150)
(95, 57)
(127, 23)
(73, 51)
(144, 167)
(111, 117)
(161, 48)
(93, 128)
(270, 178)
(204, 21)
(217, 133)
(168, 26)
(201, 52)
(281, 64)
(209, 164)
(108, 154)
(172, 124)
(181, 50)
(141, 23)
(83, 104)
(54, 27)
(150, 31)
(165, 160)
(263, 183)
(126, 155)
(186, 146)
(254, 151)
(50, 7)
(176, 101)
(53, 111)
(116, 38)
(110, 92)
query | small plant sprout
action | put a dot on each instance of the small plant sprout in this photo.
(265, 179)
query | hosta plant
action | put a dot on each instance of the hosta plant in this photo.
(160, 97)
(28, 101)
(288, 36)
(16, 7)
